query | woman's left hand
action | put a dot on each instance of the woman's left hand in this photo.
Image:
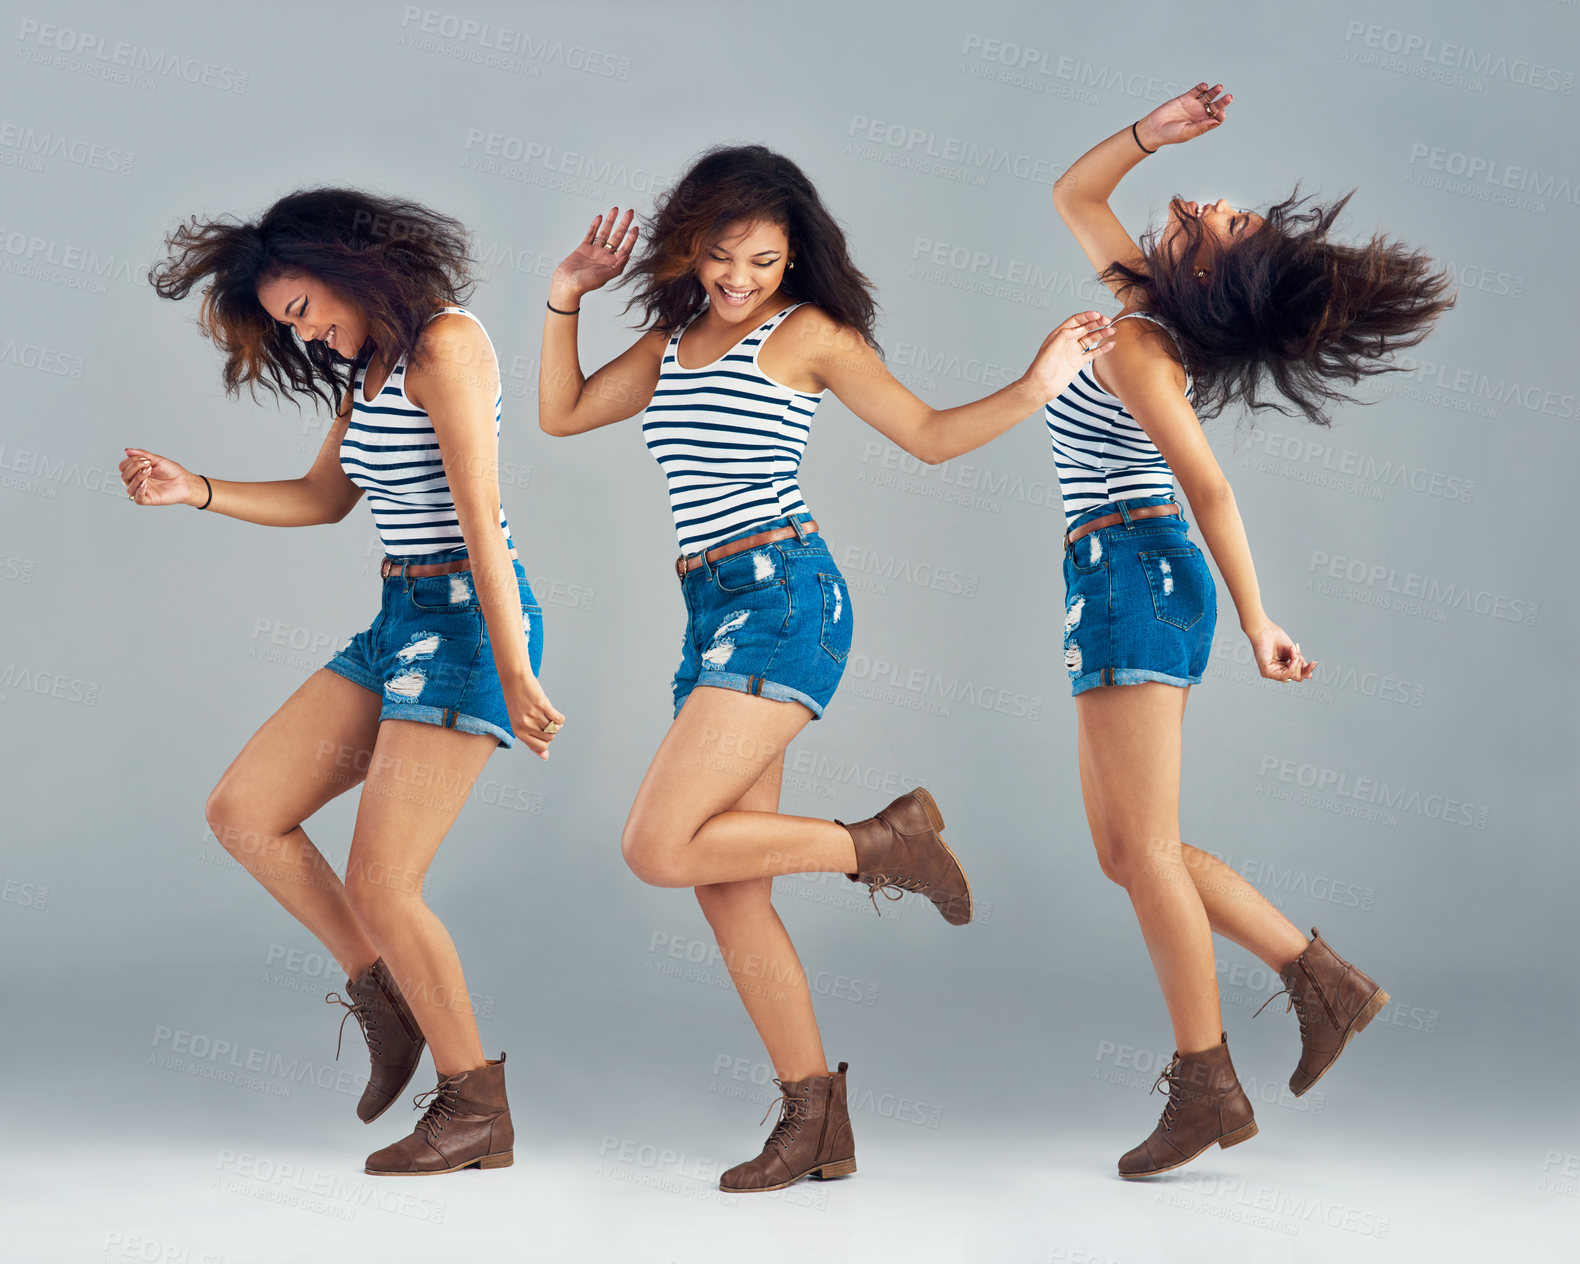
(531, 713)
(1278, 656)
(1186, 117)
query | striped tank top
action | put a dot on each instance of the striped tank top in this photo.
(728, 438)
(391, 451)
(1099, 450)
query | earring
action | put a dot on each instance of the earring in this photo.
(791, 264)
(1199, 273)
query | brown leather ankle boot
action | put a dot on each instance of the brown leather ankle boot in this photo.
(903, 849)
(1333, 1001)
(1206, 1104)
(466, 1124)
(812, 1137)
(395, 1042)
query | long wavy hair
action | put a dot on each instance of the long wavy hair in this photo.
(396, 261)
(745, 182)
(1285, 315)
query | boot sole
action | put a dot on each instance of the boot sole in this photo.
(842, 1167)
(488, 1160)
(1357, 1025)
(1228, 1139)
(402, 1087)
(935, 818)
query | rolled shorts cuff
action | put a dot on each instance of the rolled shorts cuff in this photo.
(754, 684)
(461, 722)
(1126, 676)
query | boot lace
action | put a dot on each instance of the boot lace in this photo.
(793, 1110)
(1296, 1002)
(365, 1020)
(441, 1110)
(1169, 1082)
(893, 886)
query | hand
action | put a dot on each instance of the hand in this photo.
(530, 709)
(593, 263)
(1078, 341)
(1186, 117)
(1278, 657)
(151, 479)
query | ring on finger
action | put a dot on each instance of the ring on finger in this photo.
(553, 726)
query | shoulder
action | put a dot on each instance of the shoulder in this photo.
(818, 336)
(452, 332)
(1143, 356)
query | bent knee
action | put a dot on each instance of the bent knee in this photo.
(382, 894)
(652, 857)
(230, 820)
(1130, 861)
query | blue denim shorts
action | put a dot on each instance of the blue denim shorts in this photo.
(774, 621)
(428, 655)
(1139, 601)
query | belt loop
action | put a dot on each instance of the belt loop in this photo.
(1124, 511)
(800, 531)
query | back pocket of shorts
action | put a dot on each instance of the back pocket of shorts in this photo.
(1178, 579)
(836, 634)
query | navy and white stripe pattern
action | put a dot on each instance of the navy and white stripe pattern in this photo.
(1100, 452)
(391, 451)
(729, 440)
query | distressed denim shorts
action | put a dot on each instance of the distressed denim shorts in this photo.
(427, 653)
(1139, 601)
(774, 621)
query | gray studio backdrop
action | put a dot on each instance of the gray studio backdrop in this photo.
(1413, 801)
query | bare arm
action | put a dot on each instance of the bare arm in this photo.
(454, 378)
(324, 494)
(841, 360)
(569, 403)
(1151, 384)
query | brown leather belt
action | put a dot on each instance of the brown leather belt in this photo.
(690, 562)
(1108, 520)
(411, 570)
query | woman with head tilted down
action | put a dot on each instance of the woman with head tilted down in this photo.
(1218, 303)
(753, 310)
(349, 298)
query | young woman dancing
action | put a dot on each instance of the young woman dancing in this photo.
(753, 310)
(1225, 302)
(349, 298)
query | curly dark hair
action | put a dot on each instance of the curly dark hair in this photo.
(750, 182)
(1285, 308)
(396, 261)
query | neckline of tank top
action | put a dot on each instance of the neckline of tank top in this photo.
(681, 333)
(360, 386)
(1090, 373)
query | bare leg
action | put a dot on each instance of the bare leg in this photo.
(315, 747)
(1235, 909)
(418, 780)
(1239, 912)
(684, 829)
(1130, 766)
(761, 959)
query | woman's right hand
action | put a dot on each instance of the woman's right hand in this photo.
(599, 259)
(151, 479)
(1187, 116)
(1077, 342)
